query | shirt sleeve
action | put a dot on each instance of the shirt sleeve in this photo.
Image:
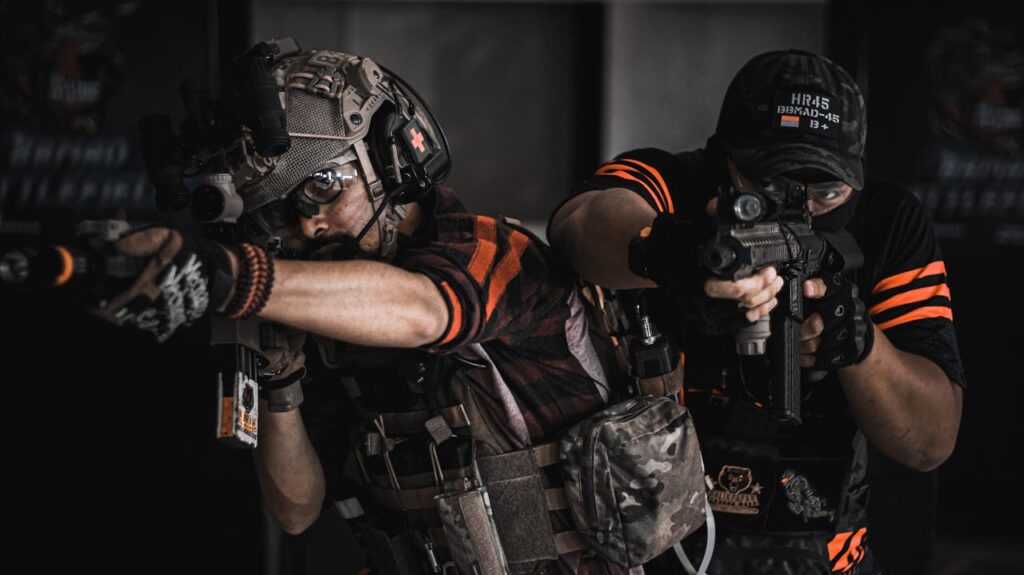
(910, 299)
(495, 278)
(655, 175)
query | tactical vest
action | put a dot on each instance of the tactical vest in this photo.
(425, 426)
(440, 449)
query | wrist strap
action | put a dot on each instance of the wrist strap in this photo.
(284, 395)
(637, 258)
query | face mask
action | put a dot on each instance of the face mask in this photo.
(837, 218)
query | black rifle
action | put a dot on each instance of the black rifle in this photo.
(753, 231)
(80, 262)
(220, 144)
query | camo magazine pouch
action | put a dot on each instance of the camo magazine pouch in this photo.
(634, 478)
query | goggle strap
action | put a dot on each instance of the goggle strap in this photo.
(376, 187)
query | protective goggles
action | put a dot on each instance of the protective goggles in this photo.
(326, 184)
(821, 192)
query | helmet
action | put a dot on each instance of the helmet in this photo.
(293, 114)
(339, 107)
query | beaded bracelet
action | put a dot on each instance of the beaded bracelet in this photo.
(255, 280)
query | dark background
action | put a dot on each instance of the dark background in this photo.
(109, 458)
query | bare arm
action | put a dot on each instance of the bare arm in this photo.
(905, 404)
(291, 478)
(592, 232)
(362, 302)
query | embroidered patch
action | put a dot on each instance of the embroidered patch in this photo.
(734, 491)
(804, 502)
(813, 112)
(416, 141)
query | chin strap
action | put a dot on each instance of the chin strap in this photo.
(387, 216)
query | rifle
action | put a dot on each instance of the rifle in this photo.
(753, 230)
(220, 145)
(83, 265)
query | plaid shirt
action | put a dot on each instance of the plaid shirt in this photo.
(509, 298)
(512, 307)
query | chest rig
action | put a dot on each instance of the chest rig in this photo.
(445, 486)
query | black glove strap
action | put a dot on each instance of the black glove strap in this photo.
(284, 394)
(666, 253)
(849, 334)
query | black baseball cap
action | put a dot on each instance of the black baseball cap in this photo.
(794, 111)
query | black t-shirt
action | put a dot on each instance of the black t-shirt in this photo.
(902, 283)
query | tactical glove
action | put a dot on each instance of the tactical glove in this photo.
(848, 332)
(668, 255)
(281, 378)
(183, 278)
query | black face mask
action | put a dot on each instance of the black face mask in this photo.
(836, 219)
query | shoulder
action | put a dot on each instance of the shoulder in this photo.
(887, 200)
(669, 182)
(889, 217)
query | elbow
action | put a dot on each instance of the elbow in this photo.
(427, 318)
(941, 447)
(296, 522)
(933, 458)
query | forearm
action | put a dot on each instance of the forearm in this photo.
(905, 405)
(593, 230)
(290, 476)
(362, 302)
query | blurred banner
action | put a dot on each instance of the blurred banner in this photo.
(945, 89)
(68, 141)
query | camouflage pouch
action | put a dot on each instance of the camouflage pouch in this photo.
(634, 479)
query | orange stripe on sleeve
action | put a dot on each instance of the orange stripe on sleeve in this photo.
(902, 279)
(914, 295)
(628, 176)
(506, 271)
(486, 248)
(455, 322)
(919, 313)
(657, 175)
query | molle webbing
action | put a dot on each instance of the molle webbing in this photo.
(412, 422)
(520, 502)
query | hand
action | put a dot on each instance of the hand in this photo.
(667, 254)
(282, 348)
(839, 331)
(755, 294)
(182, 279)
(281, 378)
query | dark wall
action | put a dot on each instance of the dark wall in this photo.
(110, 462)
(110, 456)
(945, 89)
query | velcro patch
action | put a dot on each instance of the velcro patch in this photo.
(807, 111)
(416, 141)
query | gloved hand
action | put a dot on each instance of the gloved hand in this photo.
(838, 331)
(668, 255)
(280, 379)
(183, 278)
